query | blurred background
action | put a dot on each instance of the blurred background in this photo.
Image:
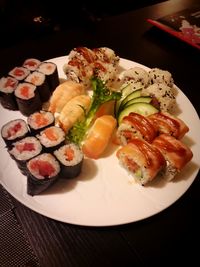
(22, 18)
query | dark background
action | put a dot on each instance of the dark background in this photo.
(23, 18)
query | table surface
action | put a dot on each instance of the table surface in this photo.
(167, 237)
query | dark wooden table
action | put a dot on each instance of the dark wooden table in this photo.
(168, 237)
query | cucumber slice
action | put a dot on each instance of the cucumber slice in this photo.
(126, 90)
(142, 108)
(130, 96)
(143, 99)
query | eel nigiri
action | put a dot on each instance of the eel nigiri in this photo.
(99, 136)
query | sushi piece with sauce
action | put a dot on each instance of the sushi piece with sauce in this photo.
(7, 97)
(42, 172)
(99, 136)
(31, 64)
(28, 98)
(169, 124)
(51, 138)
(135, 126)
(39, 79)
(23, 150)
(19, 73)
(175, 152)
(40, 120)
(143, 161)
(13, 131)
(51, 72)
(70, 158)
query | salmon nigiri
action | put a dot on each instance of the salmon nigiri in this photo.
(99, 136)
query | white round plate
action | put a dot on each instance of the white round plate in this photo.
(103, 194)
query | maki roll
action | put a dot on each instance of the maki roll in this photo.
(31, 63)
(42, 172)
(40, 120)
(13, 131)
(51, 72)
(157, 75)
(176, 153)
(19, 73)
(7, 97)
(70, 158)
(51, 138)
(142, 160)
(39, 79)
(23, 150)
(28, 98)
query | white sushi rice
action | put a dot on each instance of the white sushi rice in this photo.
(37, 78)
(47, 115)
(11, 131)
(8, 84)
(43, 158)
(126, 127)
(20, 152)
(47, 68)
(61, 155)
(157, 75)
(58, 133)
(136, 74)
(20, 73)
(31, 63)
(30, 90)
(163, 94)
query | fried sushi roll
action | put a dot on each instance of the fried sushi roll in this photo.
(99, 136)
(7, 96)
(42, 172)
(135, 125)
(142, 160)
(28, 98)
(40, 120)
(51, 71)
(176, 154)
(169, 124)
(70, 158)
(51, 138)
(23, 150)
(13, 131)
(73, 111)
(63, 93)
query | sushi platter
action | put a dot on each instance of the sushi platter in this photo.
(102, 193)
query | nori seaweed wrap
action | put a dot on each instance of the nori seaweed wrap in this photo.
(23, 150)
(70, 158)
(7, 96)
(13, 131)
(42, 172)
(28, 98)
